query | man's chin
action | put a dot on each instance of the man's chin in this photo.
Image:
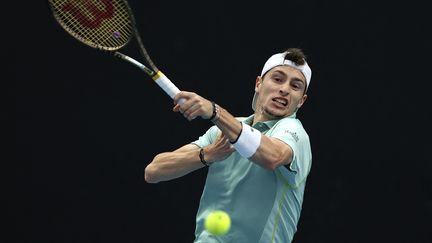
(273, 114)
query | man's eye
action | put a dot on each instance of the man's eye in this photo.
(296, 86)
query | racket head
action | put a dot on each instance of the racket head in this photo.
(102, 24)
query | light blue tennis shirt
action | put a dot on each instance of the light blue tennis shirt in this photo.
(264, 205)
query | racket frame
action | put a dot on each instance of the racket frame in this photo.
(152, 71)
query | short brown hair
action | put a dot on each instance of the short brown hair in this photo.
(296, 55)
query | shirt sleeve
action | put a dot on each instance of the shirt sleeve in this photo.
(292, 133)
(208, 137)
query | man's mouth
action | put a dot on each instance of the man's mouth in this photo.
(281, 101)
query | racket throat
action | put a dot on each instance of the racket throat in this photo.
(136, 63)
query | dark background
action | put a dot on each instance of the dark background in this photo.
(87, 124)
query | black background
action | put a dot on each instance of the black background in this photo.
(87, 123)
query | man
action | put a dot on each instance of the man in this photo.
(258, 165)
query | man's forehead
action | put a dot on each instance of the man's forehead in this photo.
(288, 71)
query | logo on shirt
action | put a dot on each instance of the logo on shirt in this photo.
(293, 134)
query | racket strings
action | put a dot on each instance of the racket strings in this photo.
(103, 24)
(123, 26)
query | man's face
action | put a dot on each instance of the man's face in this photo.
(280, 93)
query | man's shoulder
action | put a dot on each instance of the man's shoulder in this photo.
(289, 121)
(290, 125)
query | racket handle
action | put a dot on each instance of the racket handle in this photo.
(167, 85)
(159, 77)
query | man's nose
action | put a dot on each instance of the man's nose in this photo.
(284, 90)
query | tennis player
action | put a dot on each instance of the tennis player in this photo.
(257, 165)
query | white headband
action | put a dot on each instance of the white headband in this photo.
(279, 60)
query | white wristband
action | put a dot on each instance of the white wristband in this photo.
(248, 141)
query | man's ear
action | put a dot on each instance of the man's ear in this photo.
(302, 101)
(258, 82)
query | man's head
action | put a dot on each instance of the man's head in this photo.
(281, 88)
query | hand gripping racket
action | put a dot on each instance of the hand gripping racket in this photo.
(107, 25)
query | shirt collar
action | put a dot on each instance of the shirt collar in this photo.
(267, 124)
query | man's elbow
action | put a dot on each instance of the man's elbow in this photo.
(150, 175)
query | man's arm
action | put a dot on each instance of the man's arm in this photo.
(170, 165)
(271, 152)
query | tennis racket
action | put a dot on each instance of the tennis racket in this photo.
(107, 25)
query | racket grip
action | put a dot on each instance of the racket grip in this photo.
(167, 86)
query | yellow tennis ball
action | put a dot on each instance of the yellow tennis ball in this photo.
(217, 222)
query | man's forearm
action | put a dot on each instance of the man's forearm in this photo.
(170, 165)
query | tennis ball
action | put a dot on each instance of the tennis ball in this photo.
(217, 222)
